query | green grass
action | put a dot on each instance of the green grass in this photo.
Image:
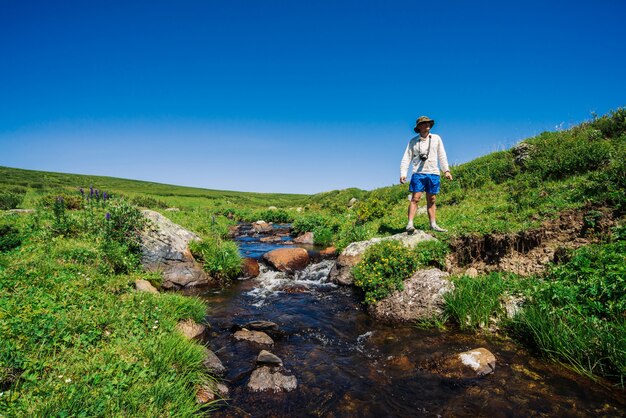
(40, 182)
(77, 340)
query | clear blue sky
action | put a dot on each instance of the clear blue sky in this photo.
(293, 96)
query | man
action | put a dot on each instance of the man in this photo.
(427, 154)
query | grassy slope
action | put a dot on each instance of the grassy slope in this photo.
(173, 195)
(55, 323)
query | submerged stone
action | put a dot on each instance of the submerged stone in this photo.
(258, 337)
(267, 379)
(270, 359)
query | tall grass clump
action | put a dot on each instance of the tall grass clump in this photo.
(220, 258)
(10, 200)
(475, 301)
(576, 314)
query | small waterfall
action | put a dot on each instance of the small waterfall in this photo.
(269, 283)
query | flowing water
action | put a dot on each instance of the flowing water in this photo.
(348, 365)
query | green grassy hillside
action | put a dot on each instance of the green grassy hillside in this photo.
(77, 340)
(36, 183)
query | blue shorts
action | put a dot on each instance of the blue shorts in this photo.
(424, 182)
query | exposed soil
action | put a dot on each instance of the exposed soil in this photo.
(529, 252)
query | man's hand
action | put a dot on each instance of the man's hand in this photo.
(402, 179)
(448, 175)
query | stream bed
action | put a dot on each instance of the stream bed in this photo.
(348, 365)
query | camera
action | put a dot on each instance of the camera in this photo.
(423, 157)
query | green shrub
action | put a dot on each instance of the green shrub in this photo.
(432, 253)
(220, 258)
(71, 202)
(148, 202)
(309, 222)
(373, 208)
(383, 269)
(323, 235)
(576, 314)
(562, 154)
(10, 200)
(123, 224)
(117, 258)
(349, 233)
(612, 125)
(592, 282)
(10, 238)
(276, 216)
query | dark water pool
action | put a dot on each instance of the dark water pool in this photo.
(350, 366)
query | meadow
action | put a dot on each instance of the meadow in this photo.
(77, 340)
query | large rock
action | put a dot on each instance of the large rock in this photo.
(288, 259)
(421, 298)
(270, 379)
(165, 247)
(341, 272)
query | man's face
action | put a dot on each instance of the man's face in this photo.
(424, 128)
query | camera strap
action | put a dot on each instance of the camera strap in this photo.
(419, 145)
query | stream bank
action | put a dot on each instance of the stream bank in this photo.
(346, 364)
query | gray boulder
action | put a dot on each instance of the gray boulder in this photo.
(271, 379)
(165, 248)
(421, 298)
(341, 272)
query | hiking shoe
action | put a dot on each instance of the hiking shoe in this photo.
(410, 229)
(438, 228)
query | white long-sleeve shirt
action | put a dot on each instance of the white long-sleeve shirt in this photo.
(436, 158)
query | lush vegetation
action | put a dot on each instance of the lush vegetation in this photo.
(387, 264)
(574, 314)
(76, 339)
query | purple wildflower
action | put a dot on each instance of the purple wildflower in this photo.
(82, 192)
(107, 216)
(90, 191)
(97, 194)
(104, 196)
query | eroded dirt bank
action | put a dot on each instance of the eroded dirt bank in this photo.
(530, 251)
